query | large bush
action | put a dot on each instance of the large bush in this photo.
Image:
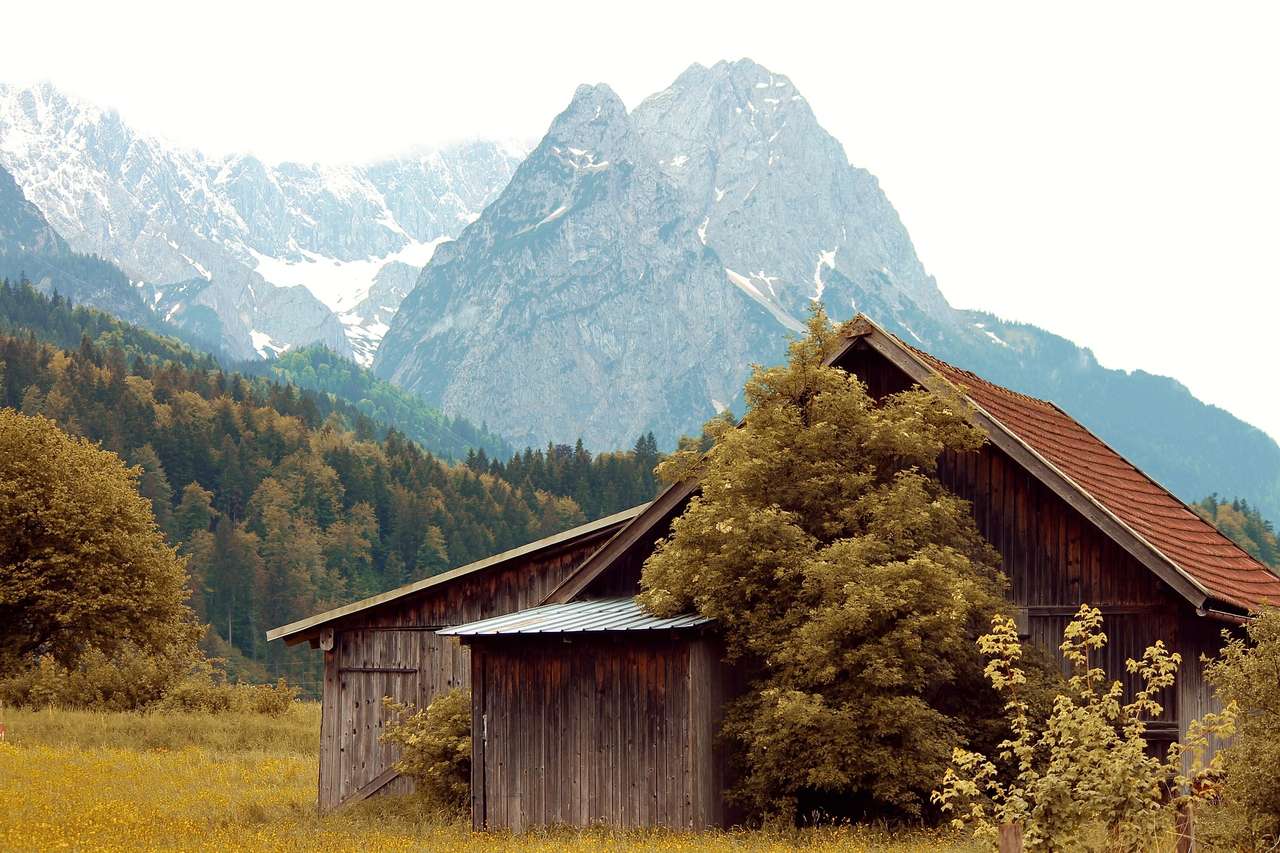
(1247, 675)
(850, 584)
(82, 563)
(435, 749)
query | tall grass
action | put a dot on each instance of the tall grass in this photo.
(118, 781)
(295, 733)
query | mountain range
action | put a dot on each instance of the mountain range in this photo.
(639, 262)
(621, 278)
(260, 257)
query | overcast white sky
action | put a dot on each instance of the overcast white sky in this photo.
(1108, 170)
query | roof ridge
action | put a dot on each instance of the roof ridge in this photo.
(1153, 488)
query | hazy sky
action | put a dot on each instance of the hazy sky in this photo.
(1108, 171)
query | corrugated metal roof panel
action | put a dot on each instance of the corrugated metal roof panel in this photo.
(599, 615)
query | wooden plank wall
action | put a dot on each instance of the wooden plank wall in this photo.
(394, 651)
(609, 729)
(1056, 560)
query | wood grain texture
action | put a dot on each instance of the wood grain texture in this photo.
(606, 729)
(393, 651)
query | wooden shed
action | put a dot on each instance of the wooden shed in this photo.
(595, 712)
(578, 722)
(387, 645)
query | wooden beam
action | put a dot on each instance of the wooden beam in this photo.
(622, 541)
(373, 786)
(1042, 469)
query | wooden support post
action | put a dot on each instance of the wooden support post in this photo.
(1186, 827)
(1010, 838)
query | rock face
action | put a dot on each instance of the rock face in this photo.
(637, 264)
(167, 216)
(31, 249)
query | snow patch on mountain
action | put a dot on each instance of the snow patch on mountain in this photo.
(166, 214)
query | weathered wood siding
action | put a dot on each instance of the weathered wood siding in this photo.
(611, 729)
(393, 651)
(1057, 560)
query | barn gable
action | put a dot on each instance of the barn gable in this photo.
(1133, 511)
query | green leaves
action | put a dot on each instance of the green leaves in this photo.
(1083, 780)
(850, 584)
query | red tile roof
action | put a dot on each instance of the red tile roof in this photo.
(1193, 545)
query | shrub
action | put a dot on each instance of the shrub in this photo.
(435, 748)
(132, 679)
(201, 692)
(1084, 780)
(1247, 674)
(129, 679)
(850, 583)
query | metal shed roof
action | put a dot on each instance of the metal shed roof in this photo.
(604, 614)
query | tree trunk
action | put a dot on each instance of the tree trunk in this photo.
(1186, 827)
(1010, 838)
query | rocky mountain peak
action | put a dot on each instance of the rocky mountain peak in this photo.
(169, 216)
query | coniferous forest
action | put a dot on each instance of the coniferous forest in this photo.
(286, 501)
(1244, 524)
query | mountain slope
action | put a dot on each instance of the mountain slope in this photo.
(636, 264)
(31, 248)
(168, 216)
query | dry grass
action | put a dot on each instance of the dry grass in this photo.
(84, 781)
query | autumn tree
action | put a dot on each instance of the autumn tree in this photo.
(851, 586)
(1247, 675)
(82, 563)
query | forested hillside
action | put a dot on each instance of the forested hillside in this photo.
(1244, 524)
(285, 501)
(319, 368)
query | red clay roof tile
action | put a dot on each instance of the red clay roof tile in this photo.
(1192, 544)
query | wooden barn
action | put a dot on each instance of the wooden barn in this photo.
(587, 710)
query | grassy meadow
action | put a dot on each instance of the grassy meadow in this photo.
(75, 780)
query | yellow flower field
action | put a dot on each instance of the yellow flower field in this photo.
(190, 782)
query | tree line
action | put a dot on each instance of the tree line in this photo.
(1244, 525)
(284, 502)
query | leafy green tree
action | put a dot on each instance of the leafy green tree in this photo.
(433, 556)
(82, 563)
(1084, 780)
(850, 585)
(1247, 674)
(195, 512)
(153, 484)
(348, 548)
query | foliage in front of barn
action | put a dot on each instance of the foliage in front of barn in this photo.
(1247, 674)
(435, 749)
(850, 583)
(1084, 779)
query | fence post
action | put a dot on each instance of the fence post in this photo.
(1010, 838)
(1185, 826)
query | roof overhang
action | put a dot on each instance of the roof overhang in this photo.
(863, 331)
(309, 628)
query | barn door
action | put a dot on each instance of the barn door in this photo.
(372, 664)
